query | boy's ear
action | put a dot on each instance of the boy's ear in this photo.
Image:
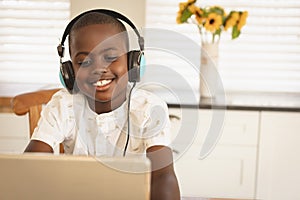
(136, 65)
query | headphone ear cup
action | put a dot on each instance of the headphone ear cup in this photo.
(136, 65)
(67, 76)
(142, 61)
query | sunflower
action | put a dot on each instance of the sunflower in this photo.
(213, 22)
(211, 19)
(242, 20)
(183, 13)
(198, 12)
(231, 20)
(186, 10)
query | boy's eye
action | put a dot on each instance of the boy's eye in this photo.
(110, 58)
(85, 63)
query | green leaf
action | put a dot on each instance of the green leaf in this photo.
(186, 14)
(218, 32)
(235, 32)
(216, 9)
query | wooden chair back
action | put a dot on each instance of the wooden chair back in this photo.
(32, 103)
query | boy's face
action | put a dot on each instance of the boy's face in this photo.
(99, 59)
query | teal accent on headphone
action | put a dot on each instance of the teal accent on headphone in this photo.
(61, 79)
(142, 65)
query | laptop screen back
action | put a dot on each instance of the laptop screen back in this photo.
(41, 176)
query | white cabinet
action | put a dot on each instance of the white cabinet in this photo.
(14, 133)
(279, 157)
(230, 170)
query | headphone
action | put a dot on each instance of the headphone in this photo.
(135, 58)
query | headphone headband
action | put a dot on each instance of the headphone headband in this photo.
(135, 58)
(111, 13)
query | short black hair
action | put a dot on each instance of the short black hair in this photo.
(98, 18)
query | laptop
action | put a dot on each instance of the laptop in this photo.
(36, 176)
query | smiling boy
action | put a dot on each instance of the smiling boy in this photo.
(93, 119)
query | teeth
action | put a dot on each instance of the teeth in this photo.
(102, 83)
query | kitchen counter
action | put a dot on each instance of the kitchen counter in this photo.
(259, 101)
(289, 102)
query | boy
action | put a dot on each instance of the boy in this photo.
(92, 120)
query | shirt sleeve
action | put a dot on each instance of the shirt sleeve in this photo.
(157, 125)
(157, 129)
(53, 124)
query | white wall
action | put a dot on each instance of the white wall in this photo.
(133, 9)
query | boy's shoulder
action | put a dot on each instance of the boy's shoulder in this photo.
(149, 110)
(145, 98)
(61, 94)
(64, 97)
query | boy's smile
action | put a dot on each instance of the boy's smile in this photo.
(101, 84)
(99, 60)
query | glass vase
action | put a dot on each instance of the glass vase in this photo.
(209, 69)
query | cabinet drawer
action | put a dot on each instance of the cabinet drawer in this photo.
(236, 127)
(228, 172)
(241, 128)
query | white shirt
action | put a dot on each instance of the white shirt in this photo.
(68, 119)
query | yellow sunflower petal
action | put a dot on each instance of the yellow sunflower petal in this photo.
(199, 12)
(235, 15)
(192, 8)
(182, 6)
(242, 20)
(230, 23)
(244, 16)
(199, 19)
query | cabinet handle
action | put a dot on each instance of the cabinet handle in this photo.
(171, 117)
(175, 151)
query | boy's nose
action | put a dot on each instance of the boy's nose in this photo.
(100, 70)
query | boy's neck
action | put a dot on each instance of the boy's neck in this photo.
(100, 107)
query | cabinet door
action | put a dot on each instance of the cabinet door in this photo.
(14, 133)
(229, 171)
(279, 156)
